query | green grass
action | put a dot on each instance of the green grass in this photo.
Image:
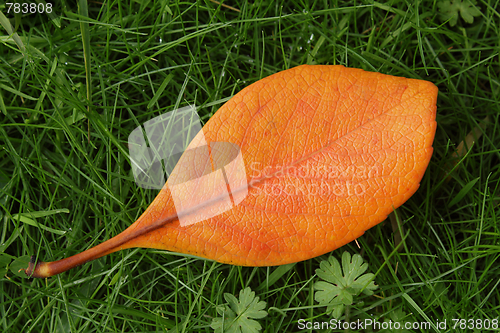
(74, 85)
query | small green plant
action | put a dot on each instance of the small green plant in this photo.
(239, 315)
(449, 11)
(343, 284)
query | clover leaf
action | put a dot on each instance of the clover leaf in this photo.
(342, 283)
(239, 316)
(449, 10)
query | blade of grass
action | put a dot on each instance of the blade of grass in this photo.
(4, 21)
(463, 192)
(17, 92)
(84, 27)
(160, 90)
(28, 218)
(2, 104)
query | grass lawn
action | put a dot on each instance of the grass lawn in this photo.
(76, 82)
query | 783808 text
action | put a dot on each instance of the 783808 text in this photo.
(29, 8)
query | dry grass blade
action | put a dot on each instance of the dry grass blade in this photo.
(465, 146)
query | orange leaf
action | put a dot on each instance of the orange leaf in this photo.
(328, 152)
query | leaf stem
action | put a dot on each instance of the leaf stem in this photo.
(43, 269)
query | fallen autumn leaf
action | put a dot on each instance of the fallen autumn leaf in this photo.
(329, 152)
